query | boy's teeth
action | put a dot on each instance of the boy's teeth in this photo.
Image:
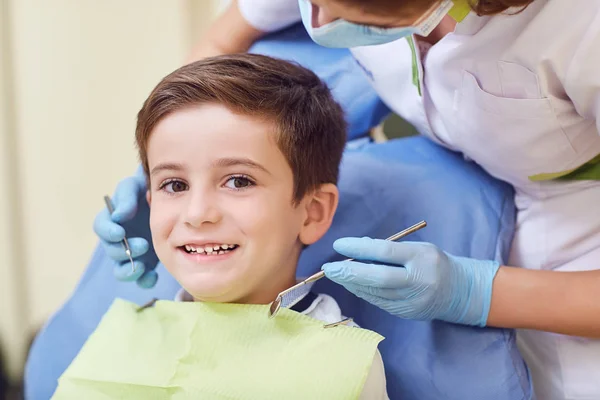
(210, 249)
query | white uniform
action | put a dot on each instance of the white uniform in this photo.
(326, 309)
(519, 95)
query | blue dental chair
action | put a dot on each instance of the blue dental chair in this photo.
(384, 187)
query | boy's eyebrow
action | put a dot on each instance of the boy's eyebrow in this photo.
(220, 163)
(233, 162)
(166, 167)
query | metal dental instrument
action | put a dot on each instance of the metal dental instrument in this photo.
(276, 304)
(124, 242)
(345, 321)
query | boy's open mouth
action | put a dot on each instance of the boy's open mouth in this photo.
(209, 249)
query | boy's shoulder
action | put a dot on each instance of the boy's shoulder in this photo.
(326, 309)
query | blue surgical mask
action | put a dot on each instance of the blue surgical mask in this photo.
(341, 33)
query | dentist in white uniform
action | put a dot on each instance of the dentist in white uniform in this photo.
(515, 90)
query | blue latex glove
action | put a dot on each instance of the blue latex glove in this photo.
(131, 218)
(420, 281)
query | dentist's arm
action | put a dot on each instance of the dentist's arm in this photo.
(560, 302)
(415, 280)
(229, 33)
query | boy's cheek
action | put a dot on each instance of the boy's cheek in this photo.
(154, 233)
(158, 228)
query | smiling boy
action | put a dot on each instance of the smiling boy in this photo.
(242, 155)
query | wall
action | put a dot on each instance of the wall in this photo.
(73, 75)
(12, 304)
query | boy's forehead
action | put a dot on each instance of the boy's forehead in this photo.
(203, 134)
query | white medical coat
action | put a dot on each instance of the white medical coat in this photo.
(520, 95)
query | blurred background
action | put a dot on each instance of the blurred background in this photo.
(73, 74)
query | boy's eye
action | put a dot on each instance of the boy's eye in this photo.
(174, 186)
(239, 182)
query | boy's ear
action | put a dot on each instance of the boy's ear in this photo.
(148, 197)
(320, 209)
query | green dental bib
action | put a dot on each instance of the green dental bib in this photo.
(178, 350)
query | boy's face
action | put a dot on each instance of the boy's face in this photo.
(222, 215)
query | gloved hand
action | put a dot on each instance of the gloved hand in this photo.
(418, 281)
(132, 217)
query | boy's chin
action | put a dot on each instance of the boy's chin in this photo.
(210, 285)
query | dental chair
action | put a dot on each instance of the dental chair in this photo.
(384, 187)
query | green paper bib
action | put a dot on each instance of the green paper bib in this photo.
(179, 351)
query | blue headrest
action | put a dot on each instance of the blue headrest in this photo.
(384, 188)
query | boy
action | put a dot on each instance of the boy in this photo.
(241, 154)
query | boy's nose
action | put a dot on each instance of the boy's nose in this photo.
(202, 209)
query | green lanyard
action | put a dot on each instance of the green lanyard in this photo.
(459, 12)
(590, 171)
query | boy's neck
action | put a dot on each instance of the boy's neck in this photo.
(269, 292)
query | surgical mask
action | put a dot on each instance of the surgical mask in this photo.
(341, 33)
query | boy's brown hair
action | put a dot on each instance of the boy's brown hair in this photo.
(310, 126)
